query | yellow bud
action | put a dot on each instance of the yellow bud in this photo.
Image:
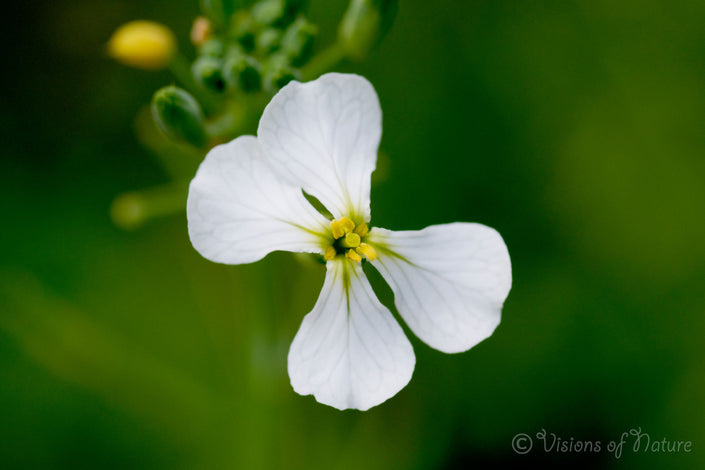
(367, 251)
(330, 253)
(351, 255)
(143, 44)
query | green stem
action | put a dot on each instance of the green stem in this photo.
(240, 116)
(131, 210)
(181, 68)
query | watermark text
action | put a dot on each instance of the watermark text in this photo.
(635, 440)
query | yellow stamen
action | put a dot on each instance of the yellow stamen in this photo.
(337, 229)
(351, 255)
(367, 251)
(341, 226)
(348, 225)
(330, 253)
(351, 240)
(362, 229)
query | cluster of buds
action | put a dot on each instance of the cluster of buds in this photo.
(243, 56)
(259, 48)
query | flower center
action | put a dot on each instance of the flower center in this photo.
(349, 241)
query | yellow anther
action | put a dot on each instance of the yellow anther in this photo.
(341, 226)
(350, 254)
(337, 229)
(362, 229)
(367, 251)
(329, 254)
(351, 240)
(143, 44)
(348, 225)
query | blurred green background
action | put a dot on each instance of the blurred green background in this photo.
(573, 128)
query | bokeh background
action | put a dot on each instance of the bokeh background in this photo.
(573, 128)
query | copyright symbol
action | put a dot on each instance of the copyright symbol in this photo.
(522, 443)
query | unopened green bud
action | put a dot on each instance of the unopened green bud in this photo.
(207, 72)
(276, 13)
(128, 211)
(218, 10)
(243, 72)
(278, 73)
(243, 30)
(268, 41)
(294, 7)
(364, 25)
(268, 12)
(212, 48)
(179, 115)
(298, 39)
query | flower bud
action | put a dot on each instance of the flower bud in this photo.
(294, 7)
(268, 41)
(212, 48)
(364, 24)
(127, 211)
(276, 13)
(243, 30)
(218, 10)
(143, 44)
(207, 72)
(297, 42)
(179, 115)
(278, 73)
(244, 72)
(268, 12)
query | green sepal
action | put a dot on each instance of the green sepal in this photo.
(179, 115)
(269, 13)
(298, 40)
(212, 48)
(207, 72)
(242, 71)
(278, 73)
(218, 11)
(277, 13)
(243, 30)
(268, 41)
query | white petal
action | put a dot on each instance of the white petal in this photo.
(323, 136)
(238, 209)
(349, 352)
(449, 281)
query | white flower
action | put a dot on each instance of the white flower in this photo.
(449, 281)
